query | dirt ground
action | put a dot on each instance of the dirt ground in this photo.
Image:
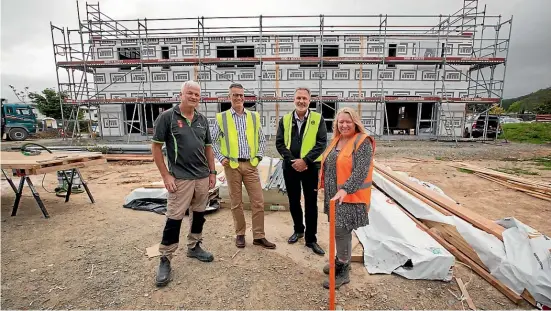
(93, 255)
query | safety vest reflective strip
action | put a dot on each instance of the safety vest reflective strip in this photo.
(230, 146)
(309, 135)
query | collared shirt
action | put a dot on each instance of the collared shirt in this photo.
(241, 126)
(185, 142)
(299, 121)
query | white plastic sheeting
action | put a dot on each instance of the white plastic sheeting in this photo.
(394, 244)
(522, 260)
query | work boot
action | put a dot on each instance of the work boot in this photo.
(163, 273)
(341, 277)
(326, 268)
(199, 253)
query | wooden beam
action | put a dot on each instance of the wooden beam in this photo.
(459, 255)
(452, 236)
(464, 213)
(465, 293)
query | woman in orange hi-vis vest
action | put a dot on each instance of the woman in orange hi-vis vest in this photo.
(345, 175)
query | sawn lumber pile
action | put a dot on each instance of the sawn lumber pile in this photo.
(447, 235)
(534, 188)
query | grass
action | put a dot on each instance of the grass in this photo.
(464, 170)
(515, 171)
(544, 163)
(533, 133)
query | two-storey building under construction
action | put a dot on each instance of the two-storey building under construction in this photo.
(406, 75)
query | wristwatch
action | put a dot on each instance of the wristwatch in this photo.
(213, 172)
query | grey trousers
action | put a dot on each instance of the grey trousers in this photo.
(343, 242)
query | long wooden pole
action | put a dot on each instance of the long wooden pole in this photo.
(332, 255)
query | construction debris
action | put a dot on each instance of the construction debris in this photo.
(534, 188)
(465, 294)
(276, 180)
(506, 253)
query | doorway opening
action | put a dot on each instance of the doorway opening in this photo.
(391, 53)
(156, 110)
(402, 119)
(328, 110)
(225, 106)
(427, 122)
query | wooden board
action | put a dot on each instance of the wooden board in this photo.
(465, 293)
(56, 168)
(537, 194)
(501, 175)
(357, 249)
(435, 234)
(17, 160)
(123, 157)
(452, 236)
(464, 213)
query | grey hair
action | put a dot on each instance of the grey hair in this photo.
(236, 85)
(302, 88)
(188, 84)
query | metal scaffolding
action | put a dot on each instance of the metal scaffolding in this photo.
(487, 56)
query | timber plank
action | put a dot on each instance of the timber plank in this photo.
(473, 265)
(357, 249)
(468, 215)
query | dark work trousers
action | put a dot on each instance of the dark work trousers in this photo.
(309, 181)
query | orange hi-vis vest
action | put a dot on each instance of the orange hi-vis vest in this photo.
(345, 166)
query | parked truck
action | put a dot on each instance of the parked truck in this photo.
(18, 121)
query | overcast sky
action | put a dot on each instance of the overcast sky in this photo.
(27, 56)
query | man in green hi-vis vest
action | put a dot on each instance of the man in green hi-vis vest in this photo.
(238, 143)
(301, 139)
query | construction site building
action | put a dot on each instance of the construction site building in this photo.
(411, 76)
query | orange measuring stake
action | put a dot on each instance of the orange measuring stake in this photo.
(332, 255)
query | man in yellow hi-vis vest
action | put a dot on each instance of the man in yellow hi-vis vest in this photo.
(239, 143)
(301, 139)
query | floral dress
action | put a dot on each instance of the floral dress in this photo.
(348, 215)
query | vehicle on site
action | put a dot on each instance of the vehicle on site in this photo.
(474, 127)
(18, 121)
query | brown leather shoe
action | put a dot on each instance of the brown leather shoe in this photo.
(240, 241)
(264, 243)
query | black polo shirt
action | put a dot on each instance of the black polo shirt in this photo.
(185, 143)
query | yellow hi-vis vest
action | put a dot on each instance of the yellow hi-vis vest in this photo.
(309, 135)
(229, 142)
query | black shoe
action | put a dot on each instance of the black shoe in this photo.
(294, 238)
(163, 273)
(316, 248)
(199, 253)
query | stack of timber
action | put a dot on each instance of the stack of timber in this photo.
(129, 157)
(49, 162)
(534, 188)
(447, 235)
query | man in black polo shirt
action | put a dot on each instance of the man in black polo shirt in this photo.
(189, 177)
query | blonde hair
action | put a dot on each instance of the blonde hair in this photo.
(359, 128)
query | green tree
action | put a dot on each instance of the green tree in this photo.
(544, 108)
(516, 107)
(48, 103)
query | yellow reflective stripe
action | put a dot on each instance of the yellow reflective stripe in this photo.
(287, 129)
(226, 133)
(157, 141)
(255, 133)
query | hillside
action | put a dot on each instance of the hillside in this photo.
(527, 102)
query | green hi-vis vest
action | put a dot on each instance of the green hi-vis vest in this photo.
(309, 135)
(229, 144)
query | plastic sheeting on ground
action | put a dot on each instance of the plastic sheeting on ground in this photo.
(394, 244)
(522, 260)
(155, 199)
